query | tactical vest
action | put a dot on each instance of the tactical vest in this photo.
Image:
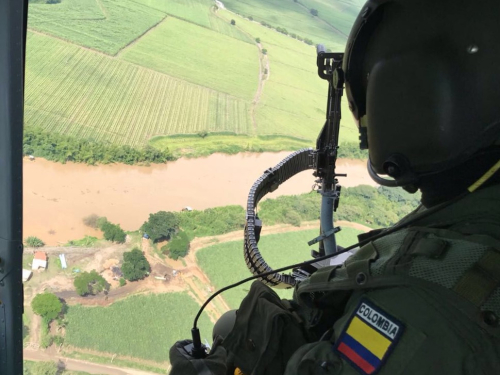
(440, 277)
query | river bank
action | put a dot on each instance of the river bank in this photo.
(58, 196)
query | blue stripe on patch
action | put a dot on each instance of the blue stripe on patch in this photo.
(361, 350)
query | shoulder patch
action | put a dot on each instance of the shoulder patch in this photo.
(369, 337)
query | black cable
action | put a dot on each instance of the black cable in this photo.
(399, 226)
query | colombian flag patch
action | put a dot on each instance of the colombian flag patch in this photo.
(369, 337)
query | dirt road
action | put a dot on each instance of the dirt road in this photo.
(78, 365)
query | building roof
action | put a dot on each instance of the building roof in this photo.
(40, 255)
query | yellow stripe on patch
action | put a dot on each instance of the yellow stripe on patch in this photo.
(368, 337)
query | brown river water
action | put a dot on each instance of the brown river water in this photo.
(58, 196)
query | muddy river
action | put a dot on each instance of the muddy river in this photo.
(58, 196)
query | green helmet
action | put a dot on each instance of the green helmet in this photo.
(423, 80)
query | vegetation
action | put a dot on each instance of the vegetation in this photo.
(40, 368)
(362, 204)
(33, 241)
(47, 305)
(178, 247)
(64, 148)
(161, 225)
(90, 283)
(135, 265)
(122, 281)
(114, 329)
(112, 232)
(294, 17)
(114, 103)
(229, 65)
(87, 241)
(224, 264)
(107, 26)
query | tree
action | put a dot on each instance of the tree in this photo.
(44, 368)
(90, 283)
(33, 241)
(257, 40)
(233, 22)
(264, 51)
(314, 12)
(178, 247)
(113, 232)
(161, 225)
(135, 265)
(47, 305)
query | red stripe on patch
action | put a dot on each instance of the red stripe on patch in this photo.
(353, 356)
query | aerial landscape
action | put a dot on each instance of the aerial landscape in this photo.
(146, 123)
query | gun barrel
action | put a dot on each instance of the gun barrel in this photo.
(320, 48)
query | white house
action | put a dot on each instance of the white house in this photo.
(39, 261)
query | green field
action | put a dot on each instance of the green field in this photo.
(200, 56)
(224, 263)
(290, 15)
(177, 67)
(77, 92)
(103, 25)
(294, 98)
(143, 326)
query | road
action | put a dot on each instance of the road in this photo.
(78, 365)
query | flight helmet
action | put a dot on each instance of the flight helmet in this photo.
(422, 79)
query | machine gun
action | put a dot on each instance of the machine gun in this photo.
(323, 161)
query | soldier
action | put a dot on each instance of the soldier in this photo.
(423, 81)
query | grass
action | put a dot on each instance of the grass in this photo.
(224, 263)
(195, 146)
(113, 361)
(190, 74)
(200, 56)
(294, 97)
(198, 12)
(144, 326)
(87, 95)
(103, 25)
(338, 13)
(290, 15)
(28, 368)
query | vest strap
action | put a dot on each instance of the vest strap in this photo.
(477, 283)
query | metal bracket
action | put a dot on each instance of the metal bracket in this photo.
(324, 235)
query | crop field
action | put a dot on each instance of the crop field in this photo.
(103, 25)
(192, 72)
(338, 13)
(143, 326)
(224, 263)
(294, 97)
(200, 56)
(198, 12)
(77, 92)
(290, 15)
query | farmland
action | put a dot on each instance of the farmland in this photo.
(104, 25)
(224, 263)
(143, 326)
(290, 15)
(84, 94)
(212, 59)
(134, 72)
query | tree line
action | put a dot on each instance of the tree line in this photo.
(63, 148)
(375, 207)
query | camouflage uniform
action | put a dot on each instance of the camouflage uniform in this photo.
(423, 300)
